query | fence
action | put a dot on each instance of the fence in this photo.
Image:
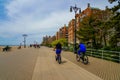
(104, 54)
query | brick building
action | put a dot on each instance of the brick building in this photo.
(68, 32)
(71, 31)
(48, 39)
(87, 12)
(62, 33)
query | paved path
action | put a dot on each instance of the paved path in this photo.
(106, 70)
(40, 64)
(18, 64)
(48, 69)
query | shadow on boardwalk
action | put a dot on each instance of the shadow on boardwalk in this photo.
(106, 70)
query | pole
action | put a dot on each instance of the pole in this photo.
(24, 42)
(75, 50)
(24, 35)
(75, 10)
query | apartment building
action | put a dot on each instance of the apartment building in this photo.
(62, 33)
(68, 32)
(87, 12)
(48, 39)
(71, 31)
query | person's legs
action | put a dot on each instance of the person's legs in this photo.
(82, 55)
(79, 52)
(56, 57)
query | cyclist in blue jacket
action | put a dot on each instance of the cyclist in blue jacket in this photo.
(82, 49)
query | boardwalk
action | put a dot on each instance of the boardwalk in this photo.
(106, 70)
(48, 69)
(40, 64)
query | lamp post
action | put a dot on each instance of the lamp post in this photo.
(75, 8)
(24, 35)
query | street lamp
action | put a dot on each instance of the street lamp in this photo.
(75, 8)
(24, 35)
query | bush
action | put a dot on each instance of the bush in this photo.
(106, 48)
(115, 49)
(71, 48)
(65, 48)
(111, 48)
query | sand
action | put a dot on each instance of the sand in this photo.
(12, 49)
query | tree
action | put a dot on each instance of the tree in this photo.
(105, 16)
(115, 23)
(89, 30)
(111, 1)
(63, 41)
(97, 26)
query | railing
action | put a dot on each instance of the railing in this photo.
(104, 54)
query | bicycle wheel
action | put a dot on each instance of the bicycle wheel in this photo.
(59, 59)
(85, 59)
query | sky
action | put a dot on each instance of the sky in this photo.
(38, 18)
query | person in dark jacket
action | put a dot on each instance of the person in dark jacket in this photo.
(58, 49)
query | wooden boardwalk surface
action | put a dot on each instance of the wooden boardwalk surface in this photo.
(40, 64)
(47, 68)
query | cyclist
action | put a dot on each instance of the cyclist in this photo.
(82, 49)
(58, 48)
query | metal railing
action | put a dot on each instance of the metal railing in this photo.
(104, 54)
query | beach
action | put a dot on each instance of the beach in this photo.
(12, 48)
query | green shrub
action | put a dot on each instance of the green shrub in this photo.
(115, 49)
(71, 48)
(106, 48)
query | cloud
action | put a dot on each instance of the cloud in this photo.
(28, 25)
(34, 19)
(34, 16)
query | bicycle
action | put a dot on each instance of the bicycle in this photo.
(58, 58)
(82, 57)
